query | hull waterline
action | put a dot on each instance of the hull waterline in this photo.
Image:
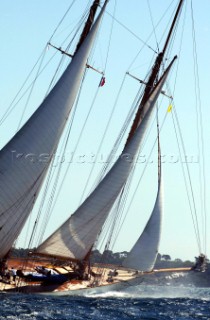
(176, 277)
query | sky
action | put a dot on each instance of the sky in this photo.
(25, 29)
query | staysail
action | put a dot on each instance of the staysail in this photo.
(144, 253)
(25, 159)
(77, 235)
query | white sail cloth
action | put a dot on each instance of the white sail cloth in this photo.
(144, 253)
(25, 159)
(77, 235)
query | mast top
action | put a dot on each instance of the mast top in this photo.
(89, 21)
(153, 78)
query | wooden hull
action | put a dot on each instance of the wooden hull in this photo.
(174, 278)
(177, 277)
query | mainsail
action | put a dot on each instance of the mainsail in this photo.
(77, 235)
(25, 159)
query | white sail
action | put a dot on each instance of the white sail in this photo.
(25, 159)
(144, 253)
(77, 235)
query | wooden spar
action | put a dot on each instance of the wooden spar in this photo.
(86, 258)
(86, 29)
(88, 23)
(61, 50)
(184, 269)
(71, 56)
(134, 77)
(153, 76)
(37, 254)
(143, 82)
(172, 25)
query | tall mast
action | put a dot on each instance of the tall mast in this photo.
(89, 22)
(21, 182)
(154, 74)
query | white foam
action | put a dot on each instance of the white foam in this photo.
(148, 291)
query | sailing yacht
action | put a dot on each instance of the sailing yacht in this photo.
(61, 264)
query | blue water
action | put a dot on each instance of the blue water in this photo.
(140, 303)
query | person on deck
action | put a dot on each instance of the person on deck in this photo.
(200, 264)
(13, 274)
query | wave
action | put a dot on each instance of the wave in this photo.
(156, 292)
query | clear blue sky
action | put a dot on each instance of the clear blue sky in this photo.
(25, 28)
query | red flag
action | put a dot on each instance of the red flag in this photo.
(102, 82)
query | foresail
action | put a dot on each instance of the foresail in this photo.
(144, 253)
(77, 235)
(25, 159)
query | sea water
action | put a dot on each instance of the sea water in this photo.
(139, 303)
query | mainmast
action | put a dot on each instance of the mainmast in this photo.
(154, 75)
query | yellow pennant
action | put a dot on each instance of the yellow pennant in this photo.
(169, 108)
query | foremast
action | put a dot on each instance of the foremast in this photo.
(22, 179)
(89, 22)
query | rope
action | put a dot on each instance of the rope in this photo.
(121, 208)
(186, 176)
(31, 89)
(117, 220)
(131, 32)
(200, 133)
(193, 206)
(75, 149)
(62, 19)
(110, 36)
(121, 134)
(30, 93)
(140, 179)
(153, 26)
(117, 212)
(101, 143)
(192, 210)
(50, 205)
(49, 177)
(106, 234)
(27, 208)
(11, 107)
(149, 37)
